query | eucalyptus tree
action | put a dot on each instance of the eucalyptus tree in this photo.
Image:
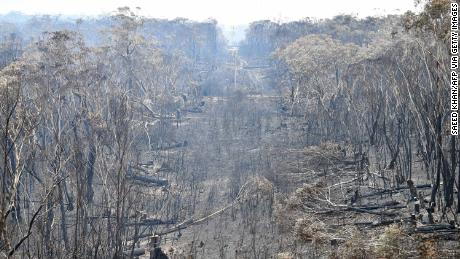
(315, 66)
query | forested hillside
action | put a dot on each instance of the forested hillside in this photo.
(125, 136)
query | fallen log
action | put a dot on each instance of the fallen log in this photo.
(343, 183)
(449, 236)
(135, 252)
(436, 228)
(384, 222)
(385, 213)
(389, 205)
(151, 222)
(395, 190)
(352, 223)
(193, 221)
(384, 207)
(369, 209)
(359, 210)
(148, 179)
(375, 223)
(388, 222)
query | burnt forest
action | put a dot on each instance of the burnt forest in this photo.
(128, 136)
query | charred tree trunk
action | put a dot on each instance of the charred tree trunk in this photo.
(439, 163)
(63, 219)
(90, 173)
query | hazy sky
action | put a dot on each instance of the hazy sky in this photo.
(229, 12)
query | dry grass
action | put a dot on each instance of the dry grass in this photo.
(311, 230)
(326, 154)
(428, 248)
(309, 197)
(357, 247)
(391, 243)
(285, 255)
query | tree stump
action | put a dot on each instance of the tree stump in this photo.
(155, 249)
